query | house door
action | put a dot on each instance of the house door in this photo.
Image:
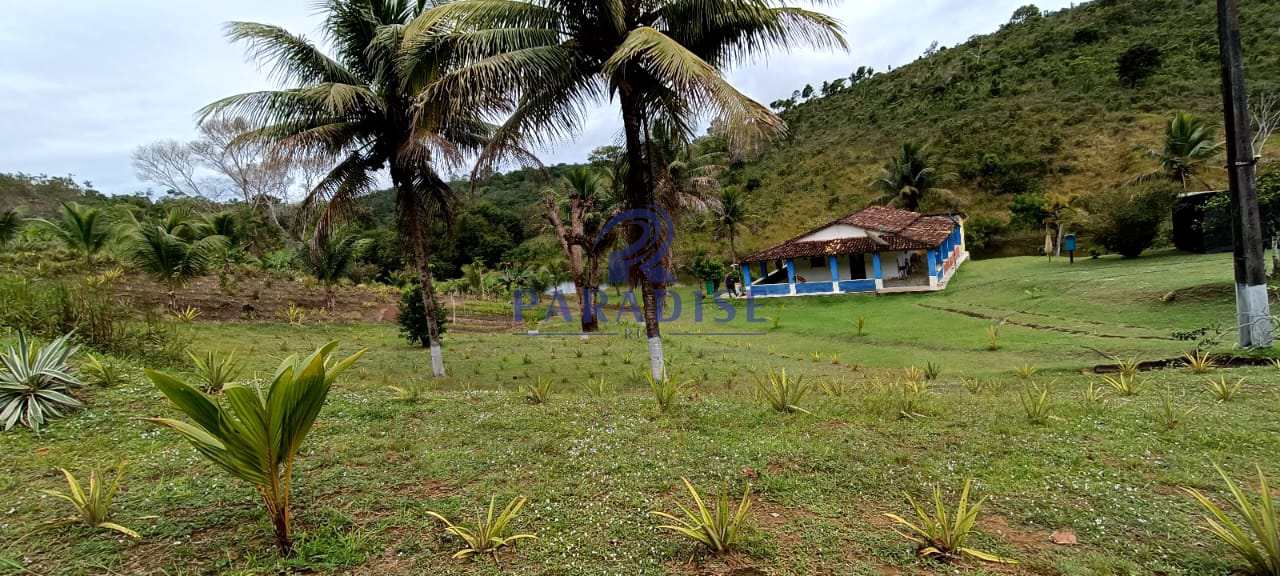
(857, 267)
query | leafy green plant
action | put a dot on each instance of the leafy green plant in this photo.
(1198, 361)
(833, 387)
(1026, 372)
(93, 506)
(717, 528)
(100, 371)
(539, 392)
(913, 374)
(599, 388)
(1170, 416)
(861, 324)
(295, 315)
(172, 259)
(932, 371)
(410, 392)
(993, 337)
(974, 385)
(214, 371)
(782, 392)
(255, 434)
(1257, 538)
(490, 532)
(665, 391)
(186, 315)
(36, 383)
(1128, 366)
(1123, 385)
(909, 398)
(945, 534)
(1036, 404)
(82, 228)
(1222, 390)
(1094, 394)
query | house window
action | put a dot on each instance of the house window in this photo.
(817, 262)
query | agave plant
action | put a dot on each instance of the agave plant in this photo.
(36, 383)
(539, 392)
(945, 534)
(783, 392)
(665, 390)
(1198, 361)
(100, 371)
(215, 371)
(255, 434)
(715, 528)
(1026, 372)
(490, 533)
(1222, 390)
(93, 506)
(1123, 384)
(1257, 539)
(1036, 403)
(993, 337)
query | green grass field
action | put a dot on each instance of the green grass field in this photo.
(593, 467)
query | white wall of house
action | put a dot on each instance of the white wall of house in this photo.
(815, 271)
(836, 231)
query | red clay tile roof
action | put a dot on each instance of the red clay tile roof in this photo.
(897, 230)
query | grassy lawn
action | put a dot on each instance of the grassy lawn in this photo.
(593, 467)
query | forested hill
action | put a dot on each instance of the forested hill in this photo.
(1040, 105)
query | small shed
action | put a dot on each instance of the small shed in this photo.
(877, 250)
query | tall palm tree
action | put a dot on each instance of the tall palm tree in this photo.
(661, 60)
(82, 228)
(729, 214)
(1189, 145)
(10, 223)
(577, 210)
(362, 107)
(908, 177)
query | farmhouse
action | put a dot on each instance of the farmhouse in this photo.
(877, 250)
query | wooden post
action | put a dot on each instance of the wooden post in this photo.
(1253, 313)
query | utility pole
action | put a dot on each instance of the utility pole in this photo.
(1253, 314)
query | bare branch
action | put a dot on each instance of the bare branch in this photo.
(170, 164)
(1264, 112)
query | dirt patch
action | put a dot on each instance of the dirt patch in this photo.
(1201, 293)
(1219, 361)
(1022, 538)
(731, 564)
(1046, 327)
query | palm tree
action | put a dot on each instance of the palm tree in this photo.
(661, 59)
(365, 108)
(908, 177)
(577, 210)
(171, 259)
(1189, 145)
(10, 223)
(82, 228)
(728, 215)
(329, 260)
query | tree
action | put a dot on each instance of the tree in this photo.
(908, 178)
(576, 210)
(729, 214)
(171, 259)
(1137, 63)
(1027, 13)
(1127, 221)
(662, 61)
(329, 260)
(82, 228)
(259, 173)
(376, 103)
(807, 91)
(170, 164)
(10, 223)
(1189, 145)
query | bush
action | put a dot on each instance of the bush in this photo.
(982, 232)
(413, 317)
(1137, 63)
(1128, 220)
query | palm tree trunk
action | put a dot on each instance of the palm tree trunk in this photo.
(414, 220)
(733, 245)
(639, 194)
(587, 305)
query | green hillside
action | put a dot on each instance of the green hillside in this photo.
(1035, 107)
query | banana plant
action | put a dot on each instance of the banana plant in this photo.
(255, 434)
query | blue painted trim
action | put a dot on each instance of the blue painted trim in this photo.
(764, 270)
(746, 275)
(815, 287)
(771, 290)
(875, 264)
(858, 286)
(933, 262)
(834, 265)
(791, 271)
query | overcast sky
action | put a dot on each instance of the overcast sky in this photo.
(84, 82)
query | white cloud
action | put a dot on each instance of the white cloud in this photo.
(85, 82)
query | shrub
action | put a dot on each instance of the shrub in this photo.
(1198, 361)
(945, 534)
(1036, 404)
(665, 390)
(1122, 384)
(909, 397)
(1255, 539)
(413, 317)
(490, 533)
(1026, 372)
(718, 529)
(255, 435)
(1094, 394)
(1137, 63)
(1128, 220)
(215, 372)
(539, 392)
(101, 372)
(93, 506)
(932, 371)
(37, 383)
(783, 393)
(1222, 390)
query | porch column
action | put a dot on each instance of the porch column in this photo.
(834, 264)
(933, 263)
(791, 274)
(875, 269)
(746, 277)
(764, 270)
